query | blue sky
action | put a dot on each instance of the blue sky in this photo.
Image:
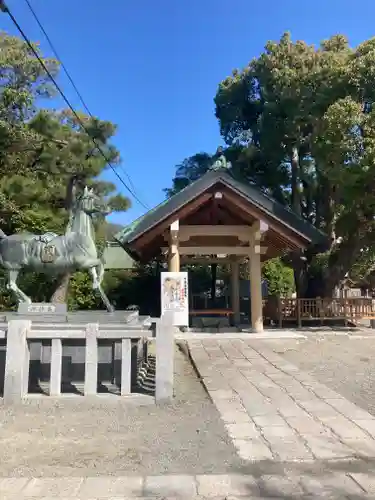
(152, 67)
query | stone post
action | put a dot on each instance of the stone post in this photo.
(164, 358)
(17, 361)
(126, 352)
(56, 367)
(91, 360)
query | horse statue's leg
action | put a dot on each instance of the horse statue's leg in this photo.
(101, 271)
(97, 285)
(12, 285)
(95, 279)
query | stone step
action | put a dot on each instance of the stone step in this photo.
(146, 385)
(147, 388)
(147, 369)
(146, 379)
(146, 375)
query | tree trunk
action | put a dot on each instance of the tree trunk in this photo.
(300, 274)
(299, 265)
(340, 262)
(323, 282)
(315, 286)
(296, 195)
(60, 295)
(213, 283)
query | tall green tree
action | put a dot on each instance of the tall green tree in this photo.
(191, 169)
(40, 149)
(307, 113)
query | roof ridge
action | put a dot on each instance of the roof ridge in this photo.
(251, 192)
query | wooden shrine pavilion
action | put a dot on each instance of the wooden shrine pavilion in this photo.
(218, 219)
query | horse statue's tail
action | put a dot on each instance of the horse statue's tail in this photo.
(2, 235)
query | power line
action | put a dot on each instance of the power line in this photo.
(57, 55)
(5, 8)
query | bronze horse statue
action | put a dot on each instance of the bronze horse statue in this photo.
(51, 253)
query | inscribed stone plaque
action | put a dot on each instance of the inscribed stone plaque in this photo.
(39, 308)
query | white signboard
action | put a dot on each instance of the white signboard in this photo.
(175, 296)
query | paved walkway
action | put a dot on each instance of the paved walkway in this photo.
(299, 438)
(274, 411)
(338, 486)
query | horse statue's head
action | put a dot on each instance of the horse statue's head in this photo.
(91, 203)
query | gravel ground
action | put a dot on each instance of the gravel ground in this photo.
(76, 438)
(346, 365)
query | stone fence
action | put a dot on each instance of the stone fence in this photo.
(19, 335)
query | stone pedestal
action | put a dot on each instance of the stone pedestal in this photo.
(40, 352)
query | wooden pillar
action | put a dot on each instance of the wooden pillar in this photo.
(173, 253)
(235, 291)
(255, 275)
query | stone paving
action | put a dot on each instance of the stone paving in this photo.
(274, 411)
(333, 486)
(300, 439)
(343, 363)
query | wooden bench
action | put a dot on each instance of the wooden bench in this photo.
(211, 313)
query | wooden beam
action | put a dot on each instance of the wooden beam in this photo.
(219, 250)
(175, 226)
(174, 236)
(243, 233)
(297, 240)
(258, 229)
(209, 260)
(146, 237)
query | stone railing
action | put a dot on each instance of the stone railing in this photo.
(20, 333)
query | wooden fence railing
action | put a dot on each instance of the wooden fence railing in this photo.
(323, 310)
(19, 333)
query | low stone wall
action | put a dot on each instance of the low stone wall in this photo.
(36, 356)
(73, 362)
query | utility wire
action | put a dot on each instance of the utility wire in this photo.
(57, 55)
(4, 8)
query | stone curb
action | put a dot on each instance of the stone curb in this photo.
(268, 335)
(214, 487)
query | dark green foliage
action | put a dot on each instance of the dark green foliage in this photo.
(279, 278)
(40, 150)
(305, 121)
